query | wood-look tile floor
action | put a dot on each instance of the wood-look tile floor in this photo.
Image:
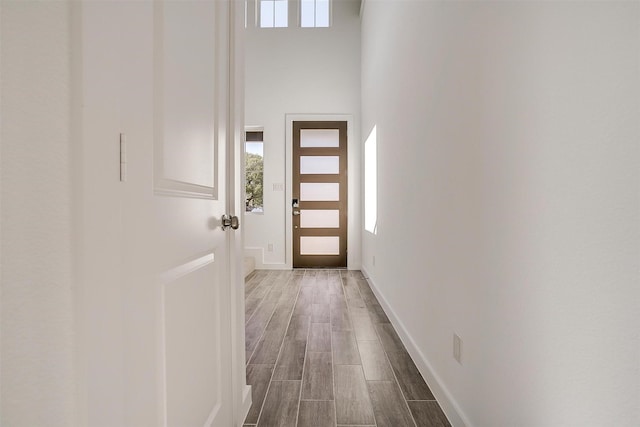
(322, 352)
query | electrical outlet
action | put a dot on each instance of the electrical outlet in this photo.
(270, 247)
(457, 348)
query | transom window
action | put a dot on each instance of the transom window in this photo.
(273, 13)
(314, 13)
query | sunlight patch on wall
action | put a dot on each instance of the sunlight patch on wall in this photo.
(371, 182)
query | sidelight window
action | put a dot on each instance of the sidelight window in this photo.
(254, 171)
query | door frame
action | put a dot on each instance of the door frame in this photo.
(235, 204)
(353, 189)
(341, 205)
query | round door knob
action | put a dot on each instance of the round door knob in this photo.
(229, 221)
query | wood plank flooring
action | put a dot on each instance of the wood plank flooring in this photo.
(321, 352)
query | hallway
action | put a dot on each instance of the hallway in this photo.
(337, 359)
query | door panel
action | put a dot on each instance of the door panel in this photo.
(320, 192)
(319, 245)
(319, 138)
(319, 165)
(186, 90)
(193, 352)
(187, 75)
(320, 189)
(319, 218)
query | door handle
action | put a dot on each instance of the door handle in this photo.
(295, 213)
(230, 221)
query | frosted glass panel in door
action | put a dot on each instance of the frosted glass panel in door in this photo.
(319, 191)
(320, 218)
(319, 245)
(323, 165)
(319, 138)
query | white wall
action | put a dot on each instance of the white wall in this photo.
(38, 382)
(300, 71)
(508, 143)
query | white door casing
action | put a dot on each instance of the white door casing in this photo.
(158, 316)
(353, 156)
(241, 391)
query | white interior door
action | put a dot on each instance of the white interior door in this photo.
(165, 88)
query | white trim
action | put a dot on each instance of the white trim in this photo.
(449, 406)
(245, 404)
(258, 254)
(353, 187)
(182, 270)
(241, 392)
(72, 113)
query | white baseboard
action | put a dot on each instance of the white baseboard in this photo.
(245, 404)
(258, 255)
(449, 406)
(272, 266)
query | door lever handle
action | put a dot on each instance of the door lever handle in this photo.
(230, 221)
(295, 213)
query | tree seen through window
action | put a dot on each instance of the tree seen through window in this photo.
(254, 177)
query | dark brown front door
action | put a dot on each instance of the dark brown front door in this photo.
(319, 194)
